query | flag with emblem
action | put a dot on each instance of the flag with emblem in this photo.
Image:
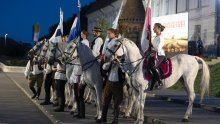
(36, 32)
(57, 36)
(146, 33)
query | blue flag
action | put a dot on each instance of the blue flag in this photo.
(75, 30)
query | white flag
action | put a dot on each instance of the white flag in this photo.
(146, 33)
(57, 36)
(114, 25)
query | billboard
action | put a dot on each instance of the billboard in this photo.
(175, 33)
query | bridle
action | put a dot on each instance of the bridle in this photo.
(33, 51)
(125, 63)
(71, 58)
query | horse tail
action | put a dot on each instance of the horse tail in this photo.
(205, 78)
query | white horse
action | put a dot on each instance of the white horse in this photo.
(91, 72)
(70, 58)
(185, 67)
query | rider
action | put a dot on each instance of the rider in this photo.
(34, 73)
(75, 79)
(157, 44)
(114, 84)
(97, 43)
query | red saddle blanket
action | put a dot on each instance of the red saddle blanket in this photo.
(165, 69)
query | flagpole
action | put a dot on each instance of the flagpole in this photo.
(79, 6)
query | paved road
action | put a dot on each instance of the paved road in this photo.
(15, 107)
(168, 112)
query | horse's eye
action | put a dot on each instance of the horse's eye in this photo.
(115, 46)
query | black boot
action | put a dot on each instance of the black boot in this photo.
(156, 78)
(82, 109)
(78, 110)
(34, 92)
(104, 114)
(116, 114)
(38, 92)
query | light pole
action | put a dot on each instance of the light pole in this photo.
(5, 38)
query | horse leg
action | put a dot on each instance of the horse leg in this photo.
(66, 94)
(189, 86)
(141, 102)
(98, 93)
(132, 99)
(71, 97)
(89, 101)
(125, 100)
(74, 106)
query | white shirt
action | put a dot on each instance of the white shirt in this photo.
(107, 44)
(158, 44)
(35, 70)
(113, 75)
(97, 46)
(86, 42)
(60, 73)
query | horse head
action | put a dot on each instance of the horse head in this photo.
(36, 50)
(56, 52)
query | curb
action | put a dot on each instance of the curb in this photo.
(45, 112)
(185, 102)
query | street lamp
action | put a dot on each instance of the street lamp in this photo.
(5, 38)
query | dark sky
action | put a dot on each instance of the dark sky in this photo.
(18, 16)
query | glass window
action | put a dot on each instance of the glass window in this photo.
(182, 5)
(193, 4)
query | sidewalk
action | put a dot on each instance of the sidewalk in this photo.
(16, 107)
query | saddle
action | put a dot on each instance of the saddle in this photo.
(165, 67)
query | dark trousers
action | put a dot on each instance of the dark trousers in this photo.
(60, 87)
(47, 86)
(112, 90)
(79, 94)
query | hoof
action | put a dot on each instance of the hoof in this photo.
(72, 113)
(69, 107)
(185, 120)
(98, 120)
(126, 117)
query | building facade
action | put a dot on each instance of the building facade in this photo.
(203, 18)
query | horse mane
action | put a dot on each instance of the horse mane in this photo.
(129, 43)
(85, 52)
(38, 46)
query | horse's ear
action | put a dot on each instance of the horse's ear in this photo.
(121, 38)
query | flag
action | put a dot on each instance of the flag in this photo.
(146, 32)
(114, 25)
(57, 36)
(36, 32)
(75, 29)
